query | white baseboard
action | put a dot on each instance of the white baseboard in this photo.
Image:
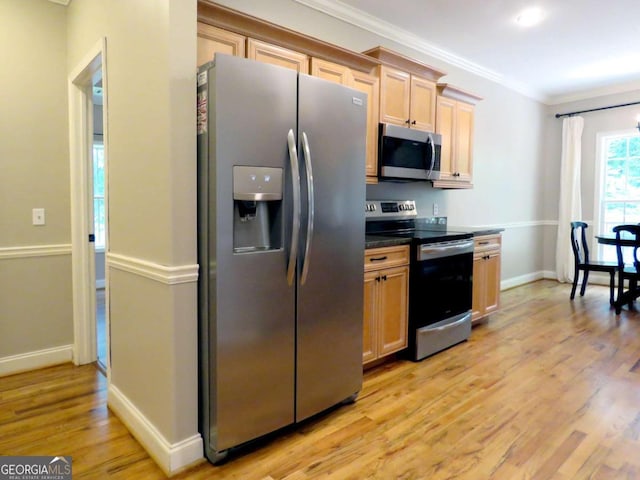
(170, 457)
(33, 360)
(595, 278)
(522, 279)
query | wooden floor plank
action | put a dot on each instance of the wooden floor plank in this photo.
(545, 389)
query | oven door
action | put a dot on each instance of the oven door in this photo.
(441, 282)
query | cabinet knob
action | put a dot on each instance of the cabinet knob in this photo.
(413, 123)
(384, 277)
(407, 121)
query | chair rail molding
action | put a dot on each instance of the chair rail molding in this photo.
(27, 251)
(169, 275)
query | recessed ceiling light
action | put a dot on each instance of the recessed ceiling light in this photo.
(529, 17)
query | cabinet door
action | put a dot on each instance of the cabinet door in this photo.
(393, 320)
(445, 114)
(371, 86)
(464, 141)
(423, 104)
(369, 340)
(268, 53)
(331, 71)
(479, 281)
(212, 40)
(395, 87)
(492, 283)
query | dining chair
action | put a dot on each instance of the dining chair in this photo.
(584, 263)
(627, 238)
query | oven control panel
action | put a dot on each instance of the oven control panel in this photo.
(381, 209)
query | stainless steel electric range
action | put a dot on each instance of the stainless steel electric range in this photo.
(441, 268)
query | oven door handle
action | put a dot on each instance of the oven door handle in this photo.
(433, 251)
(465, 318)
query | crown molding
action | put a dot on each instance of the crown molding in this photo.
(595, 93)
(61, 2)
(358, 18)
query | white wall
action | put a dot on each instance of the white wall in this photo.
(151, 144)
(35, 261)
(594, 123)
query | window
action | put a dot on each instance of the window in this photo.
(98, 195)
(619, 199)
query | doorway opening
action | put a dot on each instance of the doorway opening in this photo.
(99, 218)
(89, 208)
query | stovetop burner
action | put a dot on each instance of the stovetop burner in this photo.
(395, 218)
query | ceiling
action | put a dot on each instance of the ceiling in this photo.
(581, 48)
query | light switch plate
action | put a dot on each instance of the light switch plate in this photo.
(38, 216)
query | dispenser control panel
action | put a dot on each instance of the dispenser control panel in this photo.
(257, 183)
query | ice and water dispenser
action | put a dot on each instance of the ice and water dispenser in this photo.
(257, 209)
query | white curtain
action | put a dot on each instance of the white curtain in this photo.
(570, 200)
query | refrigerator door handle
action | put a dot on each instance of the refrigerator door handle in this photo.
(310, 205)
(295, 228)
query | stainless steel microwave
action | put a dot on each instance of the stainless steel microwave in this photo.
(408, 154)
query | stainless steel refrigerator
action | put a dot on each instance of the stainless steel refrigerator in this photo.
(281, 184)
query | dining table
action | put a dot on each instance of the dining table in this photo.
(624, 297)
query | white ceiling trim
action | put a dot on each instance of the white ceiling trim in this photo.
(596, 92)
(368, 22)
(61, 2)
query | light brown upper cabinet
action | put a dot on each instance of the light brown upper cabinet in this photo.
(370, 85)
(212, 40)
(454, 121)
(407, 90)
(363, 82)
(331, 71)
(269, 53)
(407, 100)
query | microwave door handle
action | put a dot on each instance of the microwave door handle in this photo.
(310, 205)
(433, 155)
(295, 227)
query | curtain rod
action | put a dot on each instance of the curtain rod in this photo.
(570, 114)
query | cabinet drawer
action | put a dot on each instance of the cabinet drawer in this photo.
(377, 258)
(487, 244)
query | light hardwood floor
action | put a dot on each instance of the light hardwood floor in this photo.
(546, 389)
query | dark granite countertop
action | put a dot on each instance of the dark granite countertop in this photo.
(477, 231)
(375, 241)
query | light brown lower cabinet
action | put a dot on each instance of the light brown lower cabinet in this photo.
(386, 295)
(487, 255)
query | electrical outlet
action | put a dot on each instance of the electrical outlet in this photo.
(37, 216)
(435, 209)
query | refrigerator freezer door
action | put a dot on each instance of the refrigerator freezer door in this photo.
(330, 302)
(251, 312)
